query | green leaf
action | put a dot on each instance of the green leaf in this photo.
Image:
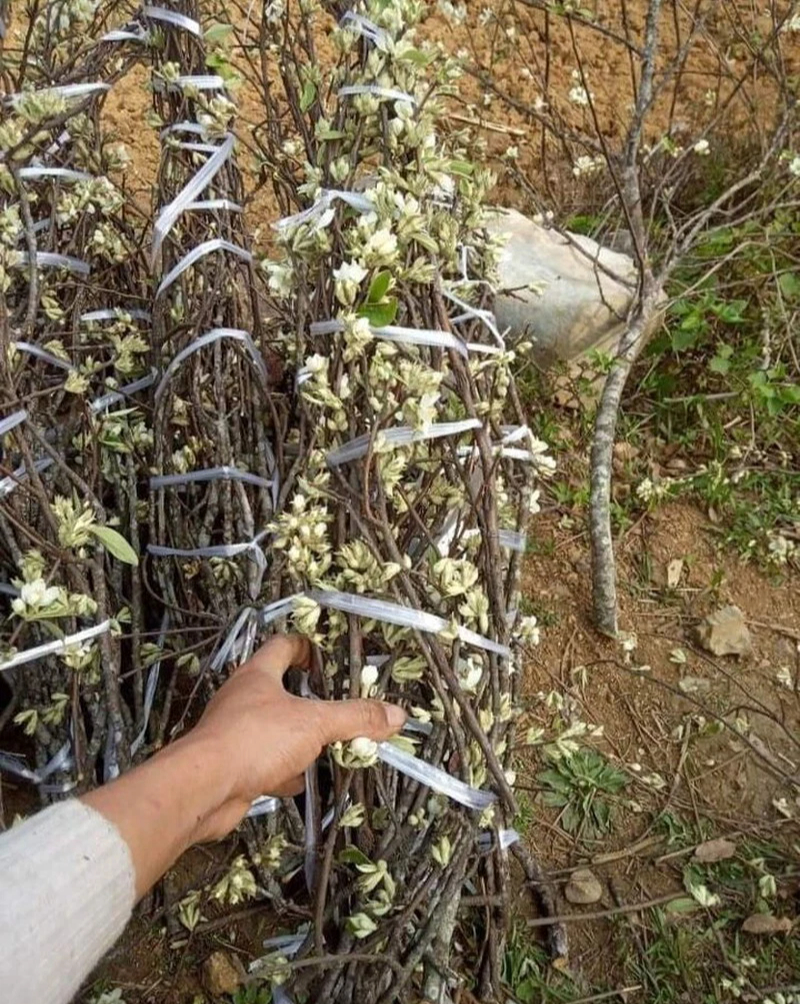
(462, 168)
(789, 284)
(309, 95)
(719, 365)
(684, 338)
(353, 856)
(683, 905)
(379, 314)
(379, 287)
(115, 544)
(218, 32)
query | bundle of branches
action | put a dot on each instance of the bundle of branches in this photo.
(218, 427)
(71, 350)
(402, 541)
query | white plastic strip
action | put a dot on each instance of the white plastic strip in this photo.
(126, 35)
(213, 205)
(7, 424)
(403, 435)
(363, 26)
(263, 805)
(119, 396)
(280, 608)
(514, 540)
(65, 91)
(12, 763)
(225, 652)
(9, 483)
(194, 147)
(389, 93)
(486, 317)
(46, 259)
(395, 333)
(207, 247)
(115, 314)
(505, 838)
(189, 127)
(435, 778)
(311, 819)
(34, 350)
(327, 196)
(394, 613)
(197, 81)
(170, 213)
(150, 689)
(214, 551)
(235, 334)
(172, 17)
(209, 474)
(53, 647)
(287, 944)
(64, 173)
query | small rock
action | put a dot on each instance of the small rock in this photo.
(220, 976)
(725, 633)
(583, 888)
(765, 923)
(714, 850)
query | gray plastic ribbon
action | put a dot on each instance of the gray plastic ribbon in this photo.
(54, 647)
(12, 421)
(209, 474)
(172, 17)
(434, 777)
(207, 247)
(395, 333)
(403, 435)
(34, 350)
(118, 396)
(389, 93)
(63, 173)
(9, 483)
(235, 334)
(46, 259)
(170, 213)
(113, 314)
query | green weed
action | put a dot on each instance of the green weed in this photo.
(581, 786)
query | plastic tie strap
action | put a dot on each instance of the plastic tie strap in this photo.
(115, 314)
(388, 93)
(53, 647)
(67, 91)
(64, 173)
(9, 483)
(46, 259)
(48, 357)
(174, 18)
(435, 778)
(12, 763)
(119, 396)
(12, 421)
(133, 34)
(251, 547)
(394, 613)
(280, 608)
(486, 317)
(207, 247)
(395, 333)
(198, 81)
(150, 689)
(514, 540)
(235, 334)
(209, 474)
(194, 147)
(170, 213)
(363, 26)
(505, 838)
(214, 205)
(403, 435)
(245, 622)
(321, 213)
(262, 806)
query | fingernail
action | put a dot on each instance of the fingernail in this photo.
(395, 716)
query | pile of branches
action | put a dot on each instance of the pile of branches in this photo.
(199, 448)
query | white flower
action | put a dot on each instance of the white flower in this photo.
(793, 24)
(528, 630)
(470, 675)
(38, 594)
(533, 504)
(512, 153)
(456, 13)
(381, 248)
(349, 276)
(588, 165)
(702, 148)
(794, 166)
(363, 748)
(369, 677)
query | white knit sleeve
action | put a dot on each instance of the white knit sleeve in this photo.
(66, 893)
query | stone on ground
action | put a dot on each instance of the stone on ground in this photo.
(583, 888)
(725, 632)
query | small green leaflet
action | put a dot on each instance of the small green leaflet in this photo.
(379, 287)
(353, 856)
(115, 544)
(217, 32)
(309, 95)
(379, 314)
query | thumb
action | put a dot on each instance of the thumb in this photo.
(349, 719)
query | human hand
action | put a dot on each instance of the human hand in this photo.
(263, 738)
